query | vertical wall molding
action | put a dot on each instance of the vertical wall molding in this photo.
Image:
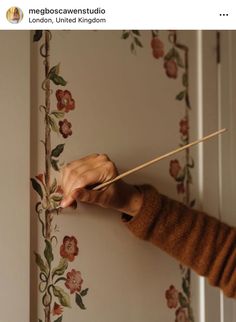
(210, 153)
(227, 157)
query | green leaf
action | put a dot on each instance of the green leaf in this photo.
(54, 70)
(180, 96)
(59, 319)
(170, 54)
(181, 175)
(37, 187)
(58, 114)
(185, 80)
(182, 300)
(48, 252)
(61, 267)
(178, 58)
(190, 313)
(53, 75)
(37, 35)
(53, 124)
(54, 164)
(57, 150)
(154, 33)
(39, 261)
(57, 80)
(136, 32)
(84, 292)
(185, 287)
(53, 186)
(138, 42)
(40, 320)
(125, 35)
(56, 197)
(187, 101)
(63, 297)
(79, 301)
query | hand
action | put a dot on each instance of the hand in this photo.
(79, 176)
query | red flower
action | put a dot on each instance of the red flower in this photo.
(69, 248)
(172, 297)
(65, 128)
(57, 309)
(181, 315)
(40, 177)
(171, 68)
(65, 102)
(73, 281)
(183, 126)
(174, 168)
(158, 47)
(180, 188)
(59, 190)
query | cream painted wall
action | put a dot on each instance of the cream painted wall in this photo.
(101, 232)
(14, 174)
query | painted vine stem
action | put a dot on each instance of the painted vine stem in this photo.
(179, 300)
(50, 194)
(184, 178)
(182, 175)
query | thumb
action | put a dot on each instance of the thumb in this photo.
(81, 194)
(69, 199)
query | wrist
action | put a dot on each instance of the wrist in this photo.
(134, 200)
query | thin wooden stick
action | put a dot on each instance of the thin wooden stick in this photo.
(147, 164)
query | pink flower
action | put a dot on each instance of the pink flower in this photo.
(65, 102)
(69, 248)
(180, 188)
(157, 47)
(183, 126)
(171, 68)
(181, 315)
(174, 168)
(73, 281)
(65, 128)
(172, 297)
(57, 309)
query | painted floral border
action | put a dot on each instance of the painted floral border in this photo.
(56, 280)
(176, 64)
(175, 61)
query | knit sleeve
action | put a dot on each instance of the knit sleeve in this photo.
(194, 238)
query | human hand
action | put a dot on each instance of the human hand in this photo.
(79, 176)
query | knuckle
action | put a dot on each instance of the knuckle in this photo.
(72, 174)
(103, 157)
(110, 167)
(93, 155)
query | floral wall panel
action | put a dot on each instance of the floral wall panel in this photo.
(126, 94)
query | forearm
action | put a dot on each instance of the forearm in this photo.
(192, 237)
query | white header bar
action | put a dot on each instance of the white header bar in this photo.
(104, 14)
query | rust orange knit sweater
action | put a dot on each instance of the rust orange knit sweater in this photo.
(194, 238)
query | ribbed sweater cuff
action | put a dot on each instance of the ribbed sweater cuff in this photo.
(142, 222)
